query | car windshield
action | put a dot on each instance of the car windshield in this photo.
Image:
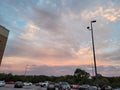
(51, 83)
(64, 83)
(18, 82)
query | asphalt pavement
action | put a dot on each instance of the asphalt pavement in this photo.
(33, 87)
(11, 87)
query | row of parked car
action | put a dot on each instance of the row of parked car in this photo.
(65, 86)
(20, 84)
(51, 85)
(17, 84)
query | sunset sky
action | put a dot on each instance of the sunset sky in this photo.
(49, 37)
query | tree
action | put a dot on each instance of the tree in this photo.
(81, 76)
(100, 80)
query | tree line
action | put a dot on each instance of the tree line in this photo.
(80, 77)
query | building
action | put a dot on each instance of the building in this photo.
(3, 39)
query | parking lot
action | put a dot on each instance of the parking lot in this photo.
(11, 87)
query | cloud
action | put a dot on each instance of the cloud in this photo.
(110, 14)
(59, 28)
(45, 19)
(55, 31)
(61, 70)
(30, 50)
(29, 33)
(110, 56)
(109, 70)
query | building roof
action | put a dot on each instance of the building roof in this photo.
(4, 31)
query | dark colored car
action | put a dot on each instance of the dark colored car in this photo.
(18, 84)
(57, 85)
(51, 86)
(64, 86)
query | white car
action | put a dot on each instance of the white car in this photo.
(45, 84)
(2, 83)
(27, 84)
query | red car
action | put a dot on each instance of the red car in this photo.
(11, 82)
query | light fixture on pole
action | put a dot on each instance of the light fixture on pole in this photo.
(91, 28)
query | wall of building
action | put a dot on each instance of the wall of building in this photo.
(3, 39)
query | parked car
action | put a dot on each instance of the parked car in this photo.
(57, 85)
(75, 86)
(93, 88)
(84, 87)
(51, 86)
(38, 84)
(27, 84)
(64, 86)
(18, 84)
(118, 88)
(108, 88)
(45, 84)
(11, 82)
(2, 83)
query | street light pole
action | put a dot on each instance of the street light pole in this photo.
(94, 51)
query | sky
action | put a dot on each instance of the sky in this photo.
(50, 37)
